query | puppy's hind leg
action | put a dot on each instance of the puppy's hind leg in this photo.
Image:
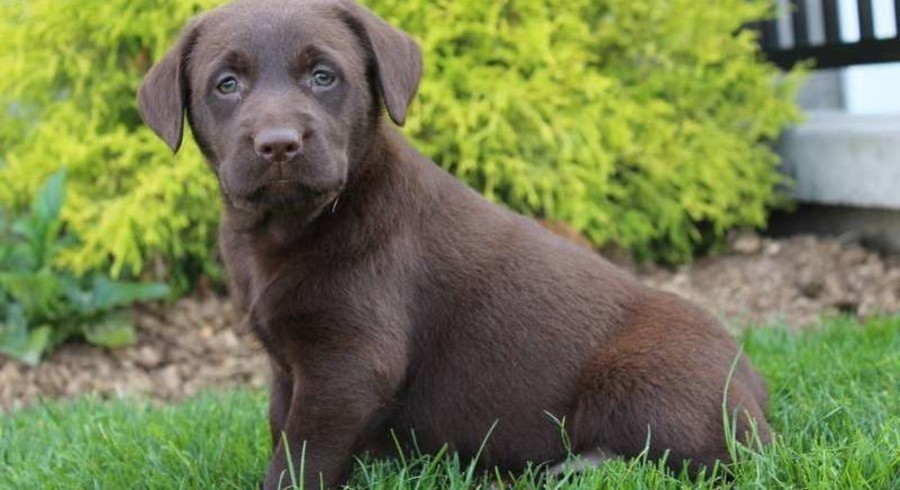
(659, 385)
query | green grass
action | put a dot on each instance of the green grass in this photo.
(835, 404)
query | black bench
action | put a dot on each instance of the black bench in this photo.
(834, 52)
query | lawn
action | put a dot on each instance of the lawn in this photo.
(835, 405)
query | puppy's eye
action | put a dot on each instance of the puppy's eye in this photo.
(323, 78)
(228, 85)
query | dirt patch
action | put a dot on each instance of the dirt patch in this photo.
(795, 281)
(182, 350)
(195, 345)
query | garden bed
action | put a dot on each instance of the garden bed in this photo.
(195, 345)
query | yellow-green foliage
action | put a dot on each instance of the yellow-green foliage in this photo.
(639, 122)
(71, 71)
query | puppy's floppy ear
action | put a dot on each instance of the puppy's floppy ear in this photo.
(397, 57)
(163, 96)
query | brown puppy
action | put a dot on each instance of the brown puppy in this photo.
(389, 296)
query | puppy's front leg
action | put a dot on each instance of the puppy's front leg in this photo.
(280, 394)
(328, 418)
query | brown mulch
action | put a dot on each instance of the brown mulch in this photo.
(792, 282)
(182, 350)
(194, 345)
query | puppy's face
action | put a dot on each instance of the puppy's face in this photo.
(283, 96)
(276, 99)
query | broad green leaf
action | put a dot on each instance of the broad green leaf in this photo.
(78, 297)
(17, 342)
(49, 200)
(37, 294)
(115, 331)
(39, 236)
(107, 294)
(14, 327)
(20, 258)
(28, 228)
(38, 343)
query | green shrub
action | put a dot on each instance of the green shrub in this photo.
(643, 123)
(72, 70)
(41, 305)
(640, 122)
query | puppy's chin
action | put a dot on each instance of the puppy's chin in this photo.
(285, 197)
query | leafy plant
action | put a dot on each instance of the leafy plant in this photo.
(642, 123)
(42, 305)
(77, 66)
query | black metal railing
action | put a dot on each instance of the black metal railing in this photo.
(830, 50)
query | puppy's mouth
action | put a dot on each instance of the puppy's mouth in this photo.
(286, 187)
(286, 195)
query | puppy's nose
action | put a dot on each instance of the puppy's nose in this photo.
(277, 145)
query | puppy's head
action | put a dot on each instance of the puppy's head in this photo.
(283, 96)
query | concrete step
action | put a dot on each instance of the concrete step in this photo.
(837, 158)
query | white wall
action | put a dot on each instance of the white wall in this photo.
(873, 89)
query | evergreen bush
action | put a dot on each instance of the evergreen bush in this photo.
(642, 123)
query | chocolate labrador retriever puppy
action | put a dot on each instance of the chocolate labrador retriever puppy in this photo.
(391, 297)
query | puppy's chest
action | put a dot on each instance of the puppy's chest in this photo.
(297, 302)
(297, 331)
(291, 308)
(301, 310)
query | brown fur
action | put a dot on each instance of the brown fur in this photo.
(390, 296)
